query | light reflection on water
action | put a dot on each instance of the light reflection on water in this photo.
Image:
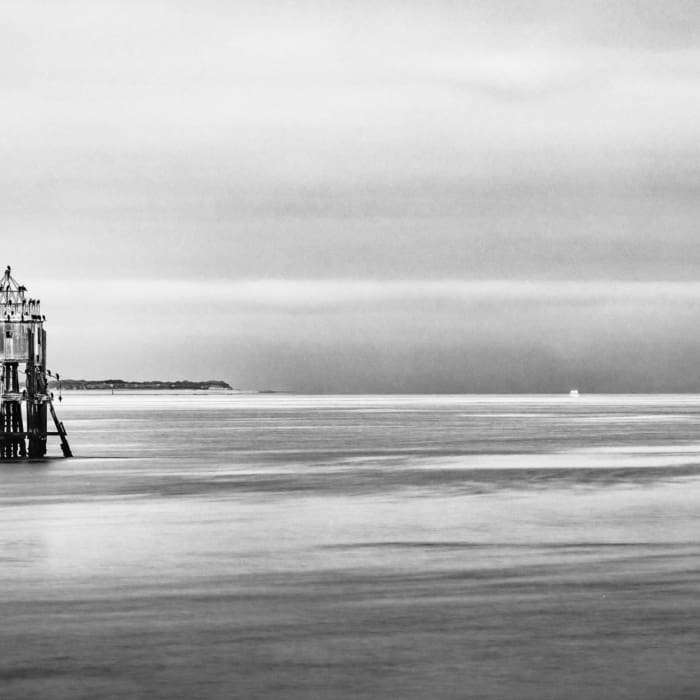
(286, 546)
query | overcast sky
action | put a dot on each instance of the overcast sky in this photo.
(473, 195)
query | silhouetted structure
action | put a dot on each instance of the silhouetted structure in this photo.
(23, 341)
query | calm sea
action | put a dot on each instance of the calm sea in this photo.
(278, 546)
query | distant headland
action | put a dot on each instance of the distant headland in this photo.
(107, 384)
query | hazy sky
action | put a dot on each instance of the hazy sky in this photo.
(474, 195)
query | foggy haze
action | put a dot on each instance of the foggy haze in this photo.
(332, 197)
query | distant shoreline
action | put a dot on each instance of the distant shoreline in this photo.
(121, 384)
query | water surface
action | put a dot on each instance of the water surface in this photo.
(274, 546)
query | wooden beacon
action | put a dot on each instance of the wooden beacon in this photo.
(23, 342)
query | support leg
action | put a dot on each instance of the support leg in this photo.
(65, 447)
